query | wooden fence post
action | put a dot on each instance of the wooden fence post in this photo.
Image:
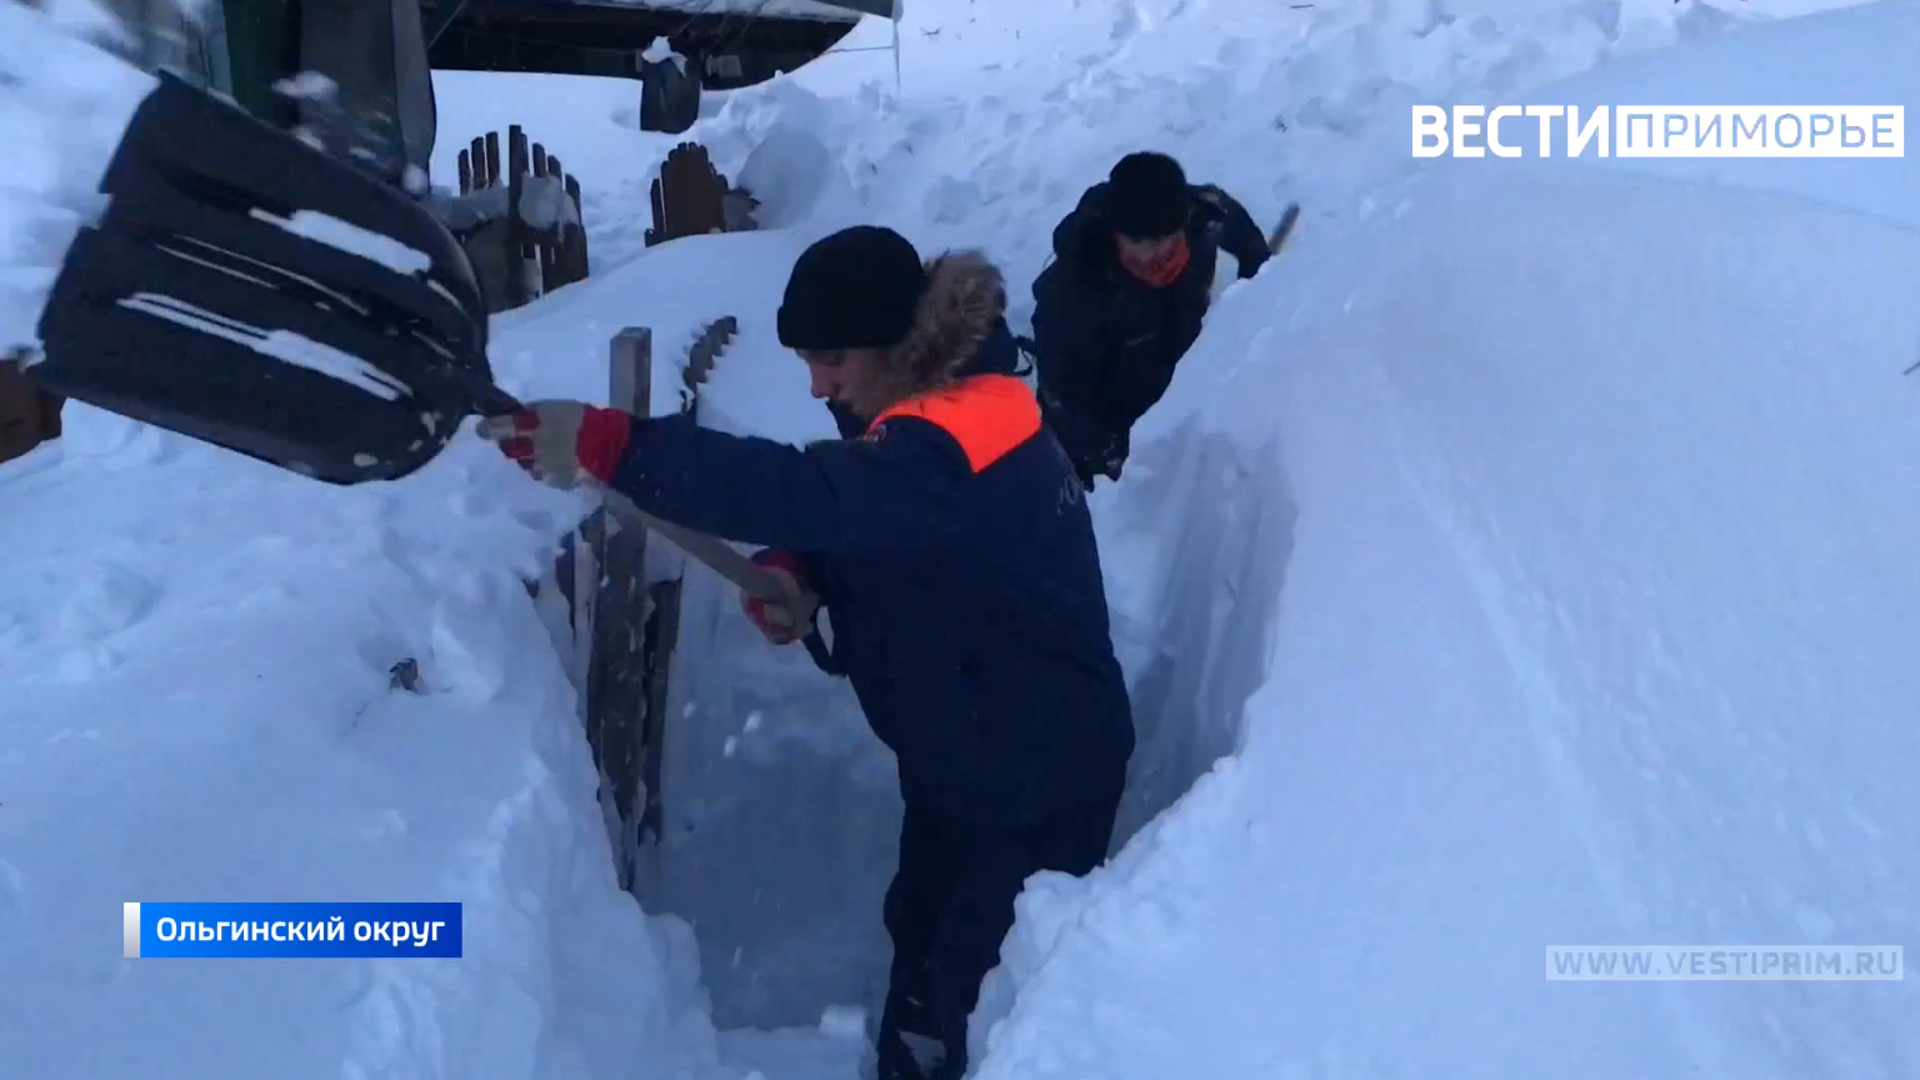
(616, 690)
(626, 631)
(519, 240)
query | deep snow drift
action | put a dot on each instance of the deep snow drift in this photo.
(1593, 628)
(1532, 536)
(1591, 634)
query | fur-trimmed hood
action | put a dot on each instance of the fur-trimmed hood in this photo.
(965, 297)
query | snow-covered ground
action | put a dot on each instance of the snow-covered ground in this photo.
(1533, 540)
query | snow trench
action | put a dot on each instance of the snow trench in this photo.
(783, 809)
(1196, 556)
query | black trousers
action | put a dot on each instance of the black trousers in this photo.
(948, 910)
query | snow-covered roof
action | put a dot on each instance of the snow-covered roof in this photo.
(771, 9)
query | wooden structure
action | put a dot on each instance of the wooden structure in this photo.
(29, 415)
(622, 629)
(689, 196)
(733, 43)
(522, 241)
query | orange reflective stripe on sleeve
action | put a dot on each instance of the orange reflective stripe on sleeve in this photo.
(988, 415)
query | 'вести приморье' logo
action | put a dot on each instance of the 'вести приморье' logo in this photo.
(1661, 131)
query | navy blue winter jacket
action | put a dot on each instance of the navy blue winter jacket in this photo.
(1107, 342)
(952, 549)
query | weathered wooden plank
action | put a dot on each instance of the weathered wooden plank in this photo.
(617, 698)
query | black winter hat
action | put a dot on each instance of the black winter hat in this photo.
(1147, 196)
(856, 289)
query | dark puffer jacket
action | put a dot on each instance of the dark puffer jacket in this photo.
(952, 549)
(1107, 342)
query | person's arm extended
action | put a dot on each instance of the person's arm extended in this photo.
(1240, 236)
(832, 498)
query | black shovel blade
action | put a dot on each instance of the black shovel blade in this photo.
(249, 290)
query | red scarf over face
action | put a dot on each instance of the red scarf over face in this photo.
(1164, 270)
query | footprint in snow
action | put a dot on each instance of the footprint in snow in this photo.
(106, 600)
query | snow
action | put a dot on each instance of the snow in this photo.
(544, 204)
(280, 344)
(658, 51)
(308, 86)
(351, 238)
(1588, 633)
(63, 107)
(761, 9)
(1523, 559)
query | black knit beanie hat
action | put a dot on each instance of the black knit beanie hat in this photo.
(1148, 196)
(856, 289)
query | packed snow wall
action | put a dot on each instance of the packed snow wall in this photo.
(1593, 632)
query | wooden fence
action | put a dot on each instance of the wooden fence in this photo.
(558, 246)
(692, 198)
(689, 198)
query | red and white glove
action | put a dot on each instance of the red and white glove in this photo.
(776, 621)
(562, 442)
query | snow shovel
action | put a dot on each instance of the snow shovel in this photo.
(249, 290)
(252, 291)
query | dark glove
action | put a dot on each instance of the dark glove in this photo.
(1116, 455)
(562, 442)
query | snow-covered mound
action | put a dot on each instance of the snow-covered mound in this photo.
(1846, 57)
(63, 105)
(1594, 627)
(196, 703)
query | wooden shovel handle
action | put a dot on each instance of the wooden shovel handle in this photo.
(719, 556)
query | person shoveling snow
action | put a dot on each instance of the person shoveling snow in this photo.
(1124, 298)
(952, 545)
